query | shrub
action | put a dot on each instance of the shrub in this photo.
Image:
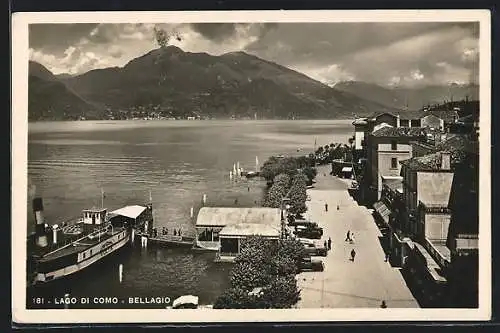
(268, 268)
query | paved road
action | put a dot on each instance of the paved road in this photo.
(346, 284)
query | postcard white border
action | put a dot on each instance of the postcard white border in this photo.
(21, 315)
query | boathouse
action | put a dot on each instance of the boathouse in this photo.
(234, 223)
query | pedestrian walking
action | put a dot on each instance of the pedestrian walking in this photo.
(329, 243)
(179, 232)
(351, 239)
(326, 207)
(353, 255)
(348, 236)
(325, 245)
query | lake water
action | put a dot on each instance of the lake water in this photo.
(178, 161)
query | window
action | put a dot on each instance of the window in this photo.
(415, 123)
(404, 123)
(394, 163)
(394, 145)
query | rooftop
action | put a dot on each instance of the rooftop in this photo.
(250, 229)
(222, 216)
(449, 116)
(456, 145)
(395, 132)
(432, 162)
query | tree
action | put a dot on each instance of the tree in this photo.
(248, 275)
(298, 194)
(277, 192)
(234, 298)
(281, 293)
(310, 174)
(283, 181)
(293, 249)
(264, 275)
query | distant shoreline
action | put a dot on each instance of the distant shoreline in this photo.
(188, 120)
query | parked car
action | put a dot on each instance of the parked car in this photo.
(308, 232)
(313, 248)
(308, 264)
(303, 223)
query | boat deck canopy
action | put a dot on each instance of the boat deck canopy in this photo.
(129, 211)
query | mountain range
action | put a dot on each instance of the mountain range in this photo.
(412, 98)
(182, 84)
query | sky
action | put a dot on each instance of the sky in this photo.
(388, 54)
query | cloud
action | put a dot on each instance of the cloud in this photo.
(218, 32)
(383, 53)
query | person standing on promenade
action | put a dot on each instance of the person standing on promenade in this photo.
(351, 239)
(329, 243)
(353, 255)
(325, 245)
(383, 305)
(348, 236)
(338, 207)
(326, 207)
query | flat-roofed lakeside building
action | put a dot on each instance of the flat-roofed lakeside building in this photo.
(214, 223)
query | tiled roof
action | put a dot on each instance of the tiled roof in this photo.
(457, 146)
(407, 115)
(395, 132)
(448, 116)
(403, 114)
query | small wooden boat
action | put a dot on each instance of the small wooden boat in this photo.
(252, 174)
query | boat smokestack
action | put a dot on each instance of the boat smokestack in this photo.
(41, 237)
(55, 229)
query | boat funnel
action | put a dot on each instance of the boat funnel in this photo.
(41, 237)
(55, 229)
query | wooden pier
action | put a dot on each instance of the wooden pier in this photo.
(169, 240)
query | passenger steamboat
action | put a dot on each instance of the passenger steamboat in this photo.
(58, 251)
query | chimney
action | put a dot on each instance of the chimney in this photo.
(445, 161)
(41, 237)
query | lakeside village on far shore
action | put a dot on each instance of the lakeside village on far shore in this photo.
(416, 171)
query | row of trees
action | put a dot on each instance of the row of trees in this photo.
(288, 165)
(264, 275)
(295, 174)
(326, 154)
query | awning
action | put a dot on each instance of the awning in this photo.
(129, 211)
(382, 210)
(347, 169)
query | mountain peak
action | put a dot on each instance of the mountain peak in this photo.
(40, 71)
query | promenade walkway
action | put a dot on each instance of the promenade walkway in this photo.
(363, 283)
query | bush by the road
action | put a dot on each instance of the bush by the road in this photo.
(263, 275)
